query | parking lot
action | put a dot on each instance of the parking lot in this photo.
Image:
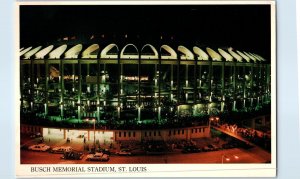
(171, 153)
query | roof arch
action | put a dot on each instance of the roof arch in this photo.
(187, 54)
(250, 56)
(91, 51)
(41, 54)
(226, 55)
(74, 51)
(244, 56)
(56, 53)
(201, 54)
(235, 55)
(144, 56)
(171, 51)
(32, 52)
(104, 52)
(25, 51)
(129, 56)
(213, 54)
(258, 56)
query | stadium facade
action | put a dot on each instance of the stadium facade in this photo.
(140, 84)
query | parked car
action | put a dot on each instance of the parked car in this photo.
(138, 152)
(98, 156)
(124, 152)
(190, 149)
(210, 147)
(72, 155)
(24, 147)
(39, 147)
(35, 135)
(61, 149)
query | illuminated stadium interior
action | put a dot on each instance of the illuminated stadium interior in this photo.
(157, 84)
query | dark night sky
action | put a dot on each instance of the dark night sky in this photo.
(244, 27)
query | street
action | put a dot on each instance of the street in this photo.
(244, 156)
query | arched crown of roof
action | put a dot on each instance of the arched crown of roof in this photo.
(186, 53)
(213, 54)
(104, 52)
(147, 56)
(56, 53)
(244, 56)
(201, 54)
(32, 52)
(235, 55)
(74, 51)
(25, 51)
(226, 55)
(135, 55)
(172, 53)
(91, 51)
(42, 53)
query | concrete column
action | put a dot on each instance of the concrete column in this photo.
(46, 86)
(223, 86)
(32, 85)
(98, 90)
(62, 87)
(234, 87)
(159, 86)
(79, 90)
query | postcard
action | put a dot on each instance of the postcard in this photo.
(146, 89)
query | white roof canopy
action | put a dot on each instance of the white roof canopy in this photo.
(226, 55)
(257, 57)
(172, 53)
(250, 56)
(129, 56)
(91, 51)
(74, 51)
(104, 52)
(213, 55)
(235, 55)
(56, 53)
(244, 56)
(260, 57)
(201, 54)
(31, 52)
(25, 51)
(187, 54)
(147, 56)
(41, 54)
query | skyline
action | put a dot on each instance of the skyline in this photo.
(245, 27)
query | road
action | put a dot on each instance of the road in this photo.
(244, 156)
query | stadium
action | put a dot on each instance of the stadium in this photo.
(131, 87)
